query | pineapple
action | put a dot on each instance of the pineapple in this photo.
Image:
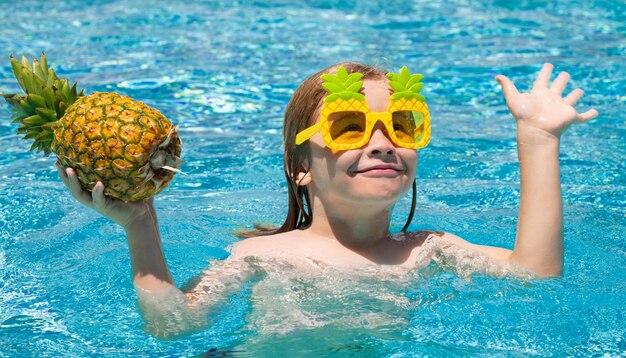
(131, 148)
(406, 97)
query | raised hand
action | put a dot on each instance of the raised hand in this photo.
(120, 212)
(544, 110)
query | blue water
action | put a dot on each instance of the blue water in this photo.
(224, 71)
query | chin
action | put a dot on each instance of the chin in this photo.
(381, 189)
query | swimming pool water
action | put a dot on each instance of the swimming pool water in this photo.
(224, 71)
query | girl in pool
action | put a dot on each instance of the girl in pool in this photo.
(350, 155)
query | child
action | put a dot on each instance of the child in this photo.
(345, 174)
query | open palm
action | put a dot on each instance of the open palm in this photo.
(544, 108)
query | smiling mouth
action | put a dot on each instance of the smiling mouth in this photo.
(382, 170)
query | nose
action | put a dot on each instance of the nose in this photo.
(380, 144)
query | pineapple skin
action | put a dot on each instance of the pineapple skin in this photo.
(121, 142)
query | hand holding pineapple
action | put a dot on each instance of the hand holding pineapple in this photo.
(120, 212)
(113, 153)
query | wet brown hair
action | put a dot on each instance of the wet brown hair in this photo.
(299, 114)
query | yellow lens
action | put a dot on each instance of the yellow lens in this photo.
(405, 126)
(347, 127)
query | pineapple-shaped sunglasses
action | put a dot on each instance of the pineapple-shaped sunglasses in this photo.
(346, 121)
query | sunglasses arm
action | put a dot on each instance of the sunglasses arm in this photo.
(307, 133)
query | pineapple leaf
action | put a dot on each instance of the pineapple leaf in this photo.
(49, 114)
(36, 100)
(354, 77)
(38, 71)
(44, 62)
(405, 75)
(396, 86)
(332, 87)
(355, 87)
(342, 73)
(25, 62)
(14, 100)
(35, 120)
(63, 88)
(416, 87)
(27, 107)
(331, 98)
(414, 79)
(345, 95)
(51, 78)
(49, 126)
(18, 117)
(29, 81)
(48, 94)
(32, 132)
(332, 79)
(17, 72)
(62, 109)
(358, 97)
(45, 136)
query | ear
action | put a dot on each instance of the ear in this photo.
(303, 178)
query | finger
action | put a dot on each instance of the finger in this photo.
(558, 86)
(508, 88)
(573, 96)
(544, 76)
(97, 196)
(81, 195)
(62, 174)
(584, 117)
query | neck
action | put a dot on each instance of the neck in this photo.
(351, 225)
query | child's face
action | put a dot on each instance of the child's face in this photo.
(377, 174)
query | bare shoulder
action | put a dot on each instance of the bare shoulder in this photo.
(262, 246)
(498, 253)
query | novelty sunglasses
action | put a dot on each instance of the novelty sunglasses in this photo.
(346, 121)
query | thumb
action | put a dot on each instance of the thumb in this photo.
(508, 87)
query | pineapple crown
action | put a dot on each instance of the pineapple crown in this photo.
(45, 99)
(342, 85)
(406, 85)
(346, 86)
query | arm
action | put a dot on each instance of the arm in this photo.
(542, 116)
(149, 270)
(168, 311)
